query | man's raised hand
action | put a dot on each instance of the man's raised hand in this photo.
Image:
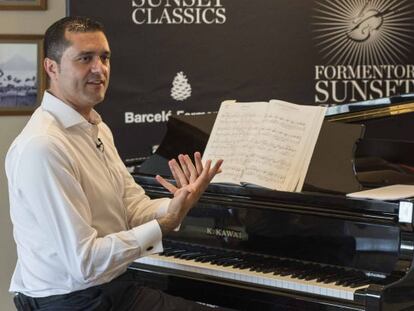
(192, 179)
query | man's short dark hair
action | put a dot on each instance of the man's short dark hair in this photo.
(55, 42)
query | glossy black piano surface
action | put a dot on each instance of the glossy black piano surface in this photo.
(251, 248)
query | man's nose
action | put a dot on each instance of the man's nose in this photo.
(98, 65)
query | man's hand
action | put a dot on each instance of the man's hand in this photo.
(191, 182)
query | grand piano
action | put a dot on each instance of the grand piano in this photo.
(251, 248)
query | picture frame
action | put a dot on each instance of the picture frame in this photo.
(22, 77)
(23, 4)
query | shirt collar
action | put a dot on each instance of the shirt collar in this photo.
(65, 114)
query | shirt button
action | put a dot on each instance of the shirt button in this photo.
(149, 248)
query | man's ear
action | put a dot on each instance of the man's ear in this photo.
(51, 67)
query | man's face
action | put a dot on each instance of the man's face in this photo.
(81, 79)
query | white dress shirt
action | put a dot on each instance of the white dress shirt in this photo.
(78, 216)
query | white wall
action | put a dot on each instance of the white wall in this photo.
(16, 22)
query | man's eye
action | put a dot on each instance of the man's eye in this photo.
(85, 59)
(105, 58)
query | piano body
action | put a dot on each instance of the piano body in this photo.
(251, 248)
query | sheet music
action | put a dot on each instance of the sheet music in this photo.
(393, 192)
(230, 137)
(264, 143)
(318, 114)
(278, 153)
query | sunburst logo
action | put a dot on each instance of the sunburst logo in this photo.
(364, 31)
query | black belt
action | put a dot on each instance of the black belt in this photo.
(26, 303)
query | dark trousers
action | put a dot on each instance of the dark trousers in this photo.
(121, 294)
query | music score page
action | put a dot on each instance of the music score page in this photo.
(264, 143)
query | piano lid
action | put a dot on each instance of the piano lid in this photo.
(185, 135)
(370, 146)
(370, 109)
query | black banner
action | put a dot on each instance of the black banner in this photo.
(187, 56)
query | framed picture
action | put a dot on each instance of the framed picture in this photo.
(22, 78)
(22, 4)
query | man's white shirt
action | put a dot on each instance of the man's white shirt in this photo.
(79, 218)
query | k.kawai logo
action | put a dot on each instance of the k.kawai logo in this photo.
(364, 31)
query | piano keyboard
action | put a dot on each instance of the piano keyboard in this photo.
(285, 281)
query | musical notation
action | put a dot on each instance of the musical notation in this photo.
(263, 143)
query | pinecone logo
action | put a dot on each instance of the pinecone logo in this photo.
(181, 89)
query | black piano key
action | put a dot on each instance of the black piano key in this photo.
(238, 265)
(351, 281)
(205, 258)
(299, 270)
(360, 283)
(283, 270)
(314, 274)
(299, 275)
(216, 261)
(255, 267)
(225, 262)
(232, 262)
(306, 271)
(188, 255)
(179, 254)
(242, 265)
(330, 275)
(290, 268)
(330, 279)
(166, 249)
(173, 252)
(220, 260)
(347, 278)
(276, 270)
(343, 281)
(246, 262)
(260, 264)
(359, 278)
(262, 268)
(268, 270)
(302, 275)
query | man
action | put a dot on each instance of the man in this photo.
(79, 218)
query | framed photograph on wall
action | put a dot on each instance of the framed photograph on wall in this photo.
(22, 78)
(23, 4)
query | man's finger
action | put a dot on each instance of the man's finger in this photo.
(198, 162)
(177, 180)
(191, 168)
(166, 184)
(206, 169)
(184, 166)
(179, 174)
(215, 169)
